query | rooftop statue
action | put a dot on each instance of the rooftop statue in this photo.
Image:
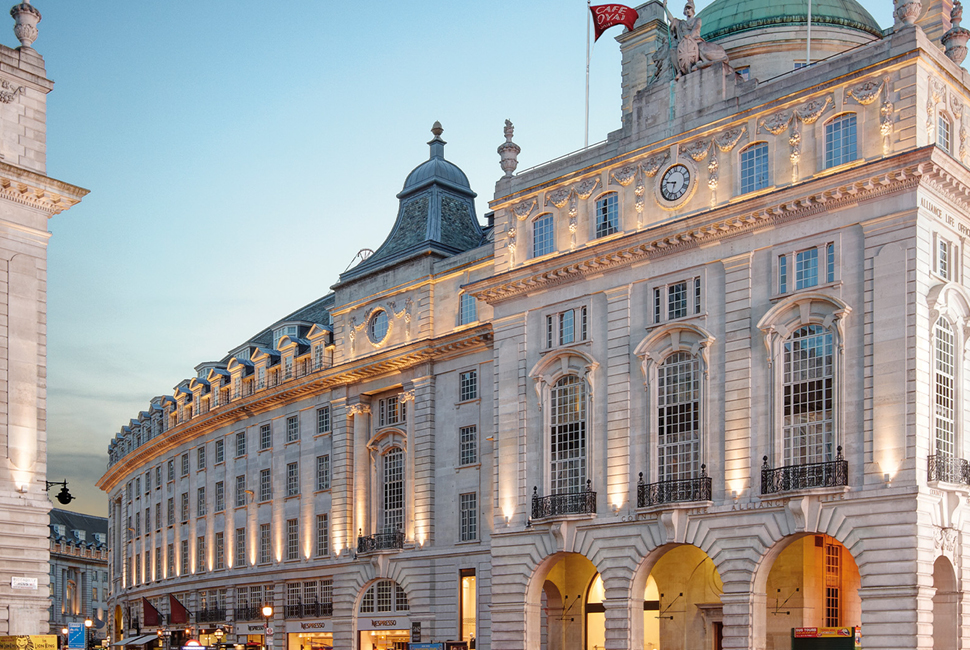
(688, 51)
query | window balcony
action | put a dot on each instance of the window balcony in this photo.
(248, 613)
(947, 469)
(210, 615)
(832, 473)
(309, 610)
(565, 503)
(380, 542)
(680, 491)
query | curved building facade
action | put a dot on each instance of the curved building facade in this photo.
(702, 385)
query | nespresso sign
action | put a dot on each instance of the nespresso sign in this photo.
(294, 627)
(368, 624)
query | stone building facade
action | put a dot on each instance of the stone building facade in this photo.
(694, 387)
(78, 571)
(28, 198)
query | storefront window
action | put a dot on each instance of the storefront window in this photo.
(383, 623)
(469, 606)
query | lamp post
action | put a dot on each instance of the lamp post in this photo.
(64, 632)
(218, 634)
(267, 614)
(87, 633)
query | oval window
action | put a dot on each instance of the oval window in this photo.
(377, 329)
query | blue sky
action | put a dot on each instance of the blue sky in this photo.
(240, 153)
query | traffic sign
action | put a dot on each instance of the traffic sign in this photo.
(269, 631)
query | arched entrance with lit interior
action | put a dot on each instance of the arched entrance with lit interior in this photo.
(596, 615)
(556, 603)
(681, 607)
(945, 605)
(809, 581)
(119, 625)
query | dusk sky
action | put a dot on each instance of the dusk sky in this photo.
(239, 153)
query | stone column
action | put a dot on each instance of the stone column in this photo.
(421, 447)
(363, 516)
(897, 617)
(618, 623)
(744, 619)
(342, 478)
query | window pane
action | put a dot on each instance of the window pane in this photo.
(808, 393)
(568, 418)
(543, 239)
(678, 403)
(806, 269)
(840, 140)
(607, 216)
(754, 168)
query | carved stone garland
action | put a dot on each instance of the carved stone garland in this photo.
(699, 149)
(936, 92)
(806, 114)
(957, 107)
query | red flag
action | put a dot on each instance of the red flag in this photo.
(150, 614)
(178, 612)
(606, 16)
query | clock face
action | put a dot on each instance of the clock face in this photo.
(675, 182)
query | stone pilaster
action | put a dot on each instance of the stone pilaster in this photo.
(422, 446)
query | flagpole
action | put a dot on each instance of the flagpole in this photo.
(586, 132)
(808, 49)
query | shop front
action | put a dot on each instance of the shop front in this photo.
(382, 633)
(250, 634)
(311, 634)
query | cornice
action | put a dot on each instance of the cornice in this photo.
(38, 191)
(820, 194)
(316, 383)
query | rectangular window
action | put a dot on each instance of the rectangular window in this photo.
(158, 516)
(171, 511)
(240, 444)
(468, 604)
(137, 524)
(840, 140)
(184, 557)
(806, 268)
(264, 548)
(323, 535)
(676, 300)
(200, 502)
(158, 563)
(265, 437)
(220, 451)
(323, 419)
(137, 486)
(220, 551)
(391, 411)
(265, 485)
(185, 465)
(467, 385)
(943, 258)
(240, 556)
(200, 458)
(220, 496)
(240, 490)
(148, 520)
(830, 263)
(184, 508)
(561, 328)
(171, 469)
(200, 563)
(293, 428)
(292, 539)
(323, 472)
(754, 168)
(171, 561)
(543, 236)
(148, 482)
(782, 274)
(468, 445)
(468, 507)
(292, 479)
(468, 312)
(607, 215)
(833, 585)
(566, 327)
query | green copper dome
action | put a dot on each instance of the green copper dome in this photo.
(723, 17)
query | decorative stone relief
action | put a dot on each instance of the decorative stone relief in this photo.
(508, 151)
(573, 213)
(585, 188)
(727, 140)
(408, 308)
(886, 122)
(775, 124)
(638, 191)
(406, 396)
(936, 92)
(807, 114)
(794, 143)
(511, 246)
(523, 209)
(956, 106)
(955, 40)
(712, 176)
(689, 52)
(865, 93)
(653, 164)
(907, 11)
(8, 92)
(558, 197)
(25, 18)
(696, 150)
(624, 175)
(810, 112)
(359, 409)
(945, 540)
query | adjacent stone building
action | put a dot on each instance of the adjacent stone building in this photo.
(78, 571)
(28, 198)
(694, 387)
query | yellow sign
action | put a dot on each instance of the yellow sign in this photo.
(31, 642)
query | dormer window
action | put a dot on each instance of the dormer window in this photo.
(280, 332)
(80, 535)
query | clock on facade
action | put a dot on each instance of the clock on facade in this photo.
(675, 182)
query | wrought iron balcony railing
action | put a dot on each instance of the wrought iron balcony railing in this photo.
(679, 491)
(248, 613)
(947, 469)
(309, 610)
(832, 473)
(210, 615)
(380, 541)
(566, 503)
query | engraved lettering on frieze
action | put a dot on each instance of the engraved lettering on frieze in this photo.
(8, 92)
(624, 175)
(866, 92)
(653, 164)
(696, 150)
(558, 197)
(523, 209)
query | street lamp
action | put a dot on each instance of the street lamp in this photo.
(267, 614)
(87, 632)
(218, 634)
(64, 631)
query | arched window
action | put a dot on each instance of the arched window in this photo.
(943, 132)
(392, 510)
(384, 597)
(945, 389)
(568, 435)
(754, 167)
(543, 237)
(678, 417)
(808, 416)
(840, 140)
(607, 215)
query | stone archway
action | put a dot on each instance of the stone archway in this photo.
(560, 585)
(945, 606)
